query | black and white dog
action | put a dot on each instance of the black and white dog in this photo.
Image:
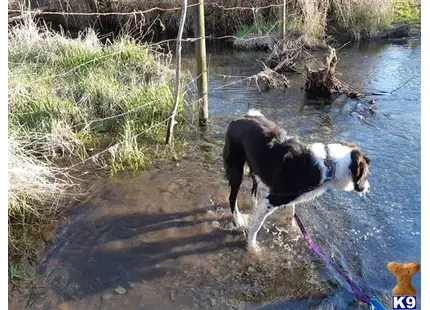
(287, 170)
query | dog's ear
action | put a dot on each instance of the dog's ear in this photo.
(367, 159)
(359, 165)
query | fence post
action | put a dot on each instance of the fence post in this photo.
(171, 123)
(282, 18)
(202, 73)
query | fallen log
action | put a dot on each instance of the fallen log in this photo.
(269, 78)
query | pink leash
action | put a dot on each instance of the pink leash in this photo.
(359, 294)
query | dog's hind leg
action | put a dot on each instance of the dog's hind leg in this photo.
(258, 218)
(236, 176)
(234, 161)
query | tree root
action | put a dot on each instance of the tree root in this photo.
(323, 81)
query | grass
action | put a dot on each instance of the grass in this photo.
(256, 29)
(71, 101)
(36, 189)
(256, 36)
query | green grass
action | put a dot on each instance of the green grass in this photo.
(406, 11)
(67, 97)
(256, 30)
(121, 90)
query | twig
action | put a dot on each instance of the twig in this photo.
(169, 134)
(403, 84)
(338, 49)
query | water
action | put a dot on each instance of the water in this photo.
(362, 234)
(166, 236)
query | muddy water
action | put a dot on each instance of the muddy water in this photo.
(164, 240)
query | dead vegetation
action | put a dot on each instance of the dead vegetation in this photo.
(225, 17)
(269, 78)
(320, 82)
(287, 52)
(160, 19)
(323, 82)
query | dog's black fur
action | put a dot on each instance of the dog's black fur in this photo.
(286, 166)
(283, 163)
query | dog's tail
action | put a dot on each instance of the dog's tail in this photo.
(254, 113)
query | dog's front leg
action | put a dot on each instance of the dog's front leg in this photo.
(290, 210)
(263, 210)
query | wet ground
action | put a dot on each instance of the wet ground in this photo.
(164, 240)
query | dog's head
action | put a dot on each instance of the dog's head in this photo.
(354, 168)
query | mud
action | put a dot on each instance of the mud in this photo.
(167, 239)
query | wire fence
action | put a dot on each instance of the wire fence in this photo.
(213, 5)
(21, 13)
(199, 37)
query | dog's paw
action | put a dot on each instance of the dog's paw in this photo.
(293, 223)
(253, 248)
(239, 220)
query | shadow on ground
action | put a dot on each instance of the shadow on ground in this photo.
(167, 240)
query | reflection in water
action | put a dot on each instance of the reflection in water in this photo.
(166, 236)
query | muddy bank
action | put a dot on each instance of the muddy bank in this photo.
(394, 31)
(333, 36)
(165, 241)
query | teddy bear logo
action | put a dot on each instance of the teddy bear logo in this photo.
(403, 273)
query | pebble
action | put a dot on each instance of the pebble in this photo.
(120, 290)
(106, 297)
(213, 302)
(63, 306)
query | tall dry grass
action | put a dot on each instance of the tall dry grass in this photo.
(35, 186)
(363, 17)
(314, 18)
(37, 191)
